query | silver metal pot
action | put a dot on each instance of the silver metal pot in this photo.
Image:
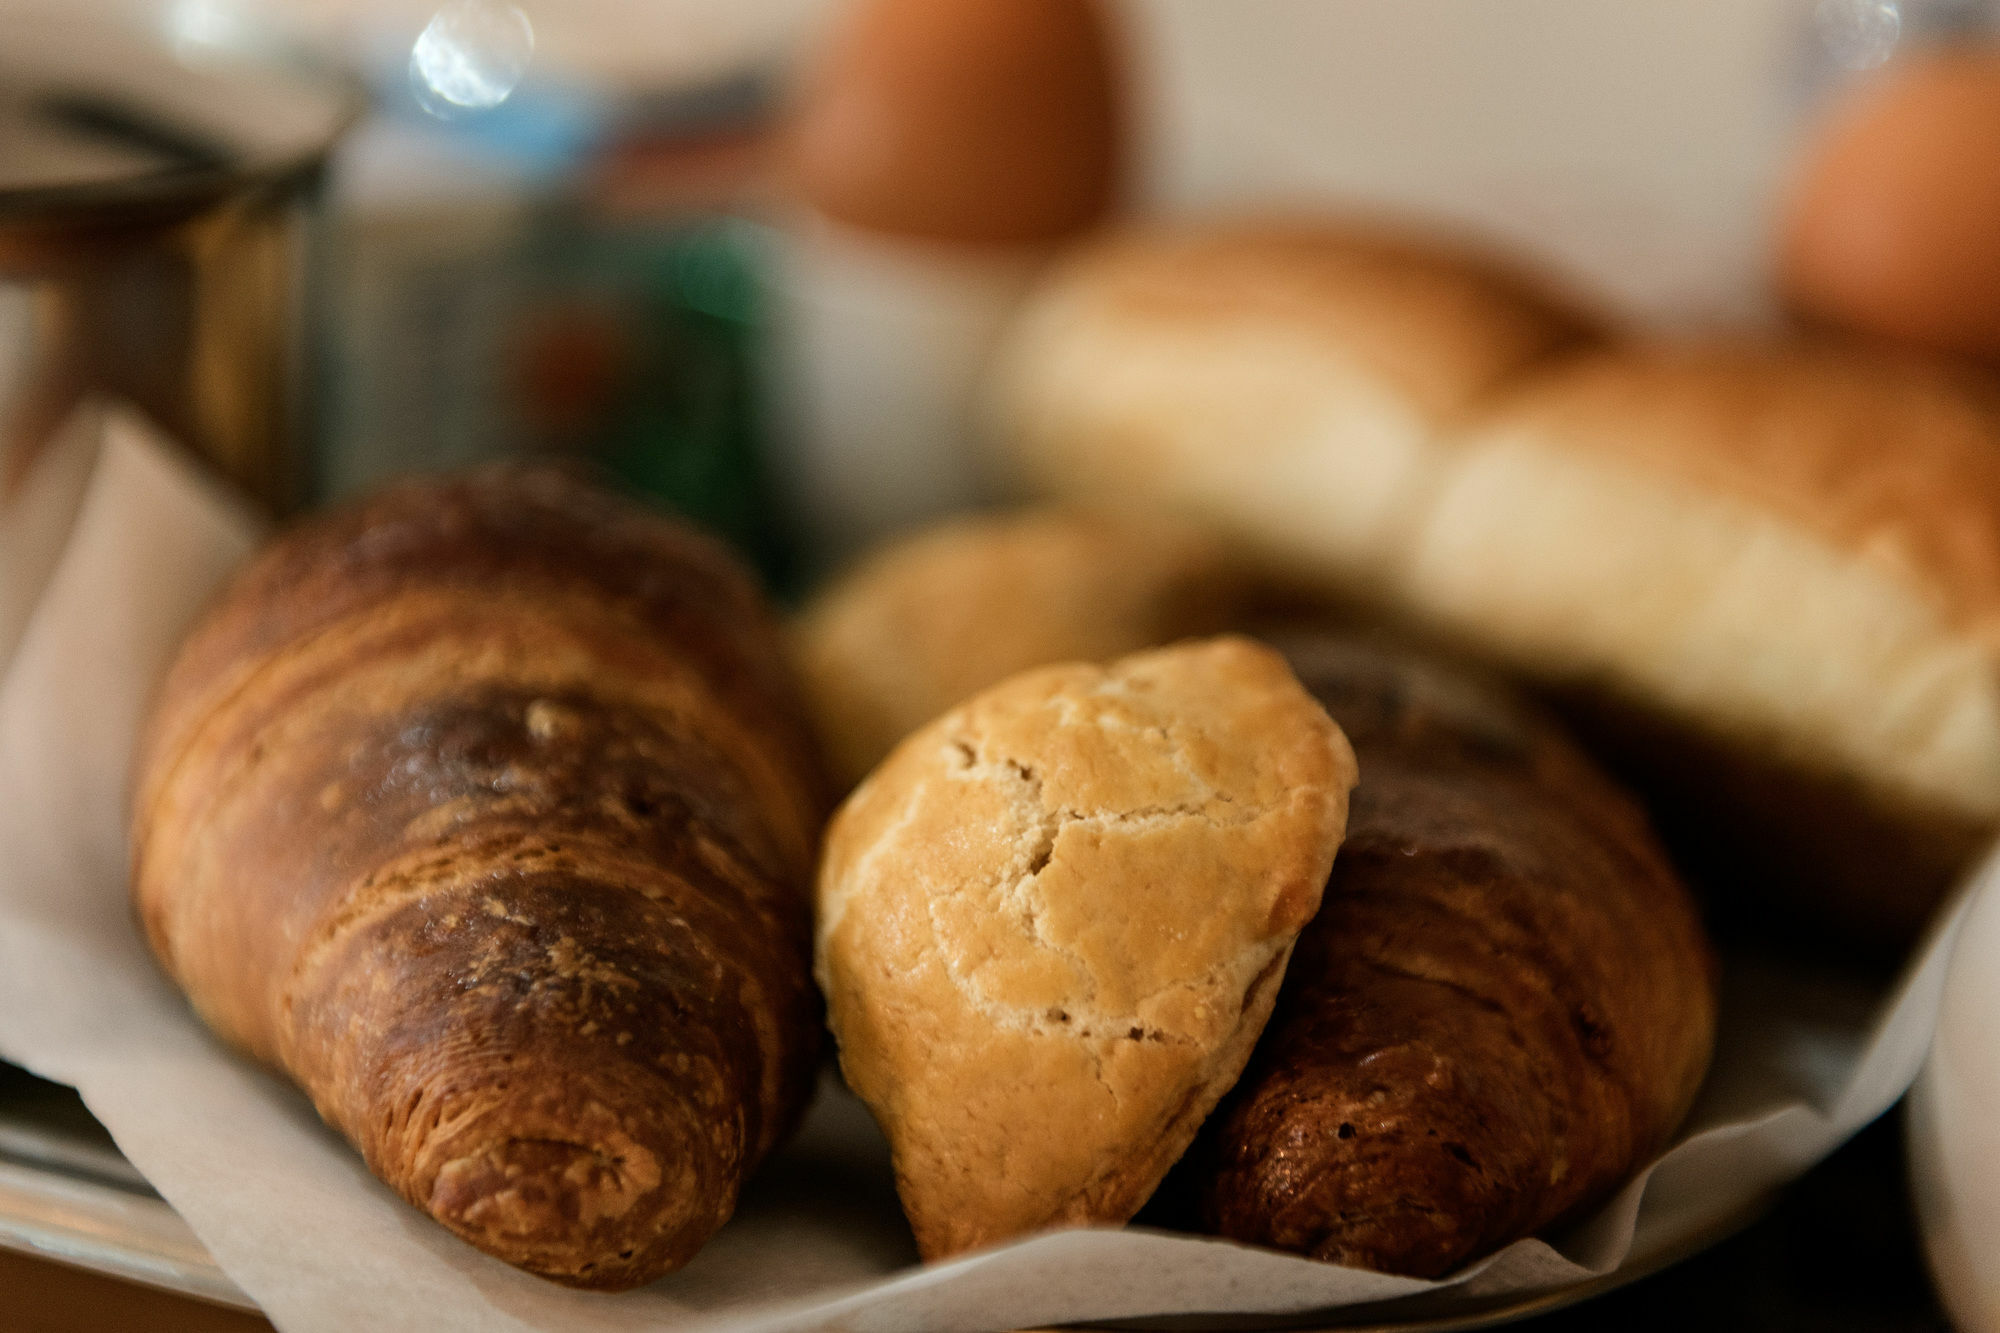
(155, 220)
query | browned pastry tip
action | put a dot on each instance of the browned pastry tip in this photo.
(483, 810)
(1504, 1006)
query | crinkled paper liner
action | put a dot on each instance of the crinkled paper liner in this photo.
(294, 1218)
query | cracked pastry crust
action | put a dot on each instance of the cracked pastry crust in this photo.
(1503, 1008)
(483, 810)
(1052, 923)
(932, 619)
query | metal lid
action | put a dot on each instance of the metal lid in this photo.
(97, 120)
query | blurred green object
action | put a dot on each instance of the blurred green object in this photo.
(471, 333)
(638, 352)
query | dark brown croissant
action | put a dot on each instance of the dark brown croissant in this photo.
(485, 811)
(1503, 1007)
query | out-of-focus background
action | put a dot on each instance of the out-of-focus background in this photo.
(580, 228)
(746, 257)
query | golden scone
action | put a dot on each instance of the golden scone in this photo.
(1287, 384)
(1052, 925)
(932, 619)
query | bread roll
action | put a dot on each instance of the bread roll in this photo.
(484, 810)
(1052, 923)
(1504, 1006)
(1792, 556)
(1287, 384)
(1773, 572)
(935, 618)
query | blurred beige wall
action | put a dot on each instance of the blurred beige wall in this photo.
(1636, 143)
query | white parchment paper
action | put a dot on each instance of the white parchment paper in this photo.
(296, 1220)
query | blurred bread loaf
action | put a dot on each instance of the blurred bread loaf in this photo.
(1769, 574)
(484, 810)
(1288, 385)
(1503, 1008)
(936, 617)
(1052, 923)
(1797, 552)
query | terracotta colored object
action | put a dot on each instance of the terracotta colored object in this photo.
(979, 120)
(1893, 226)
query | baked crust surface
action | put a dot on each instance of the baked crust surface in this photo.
(484, 811)
(1894, 459)
(937, 617)
(1053, 922)
(1504, 1006)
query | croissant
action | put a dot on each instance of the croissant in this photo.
(485, 810)
(1503, 1008)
